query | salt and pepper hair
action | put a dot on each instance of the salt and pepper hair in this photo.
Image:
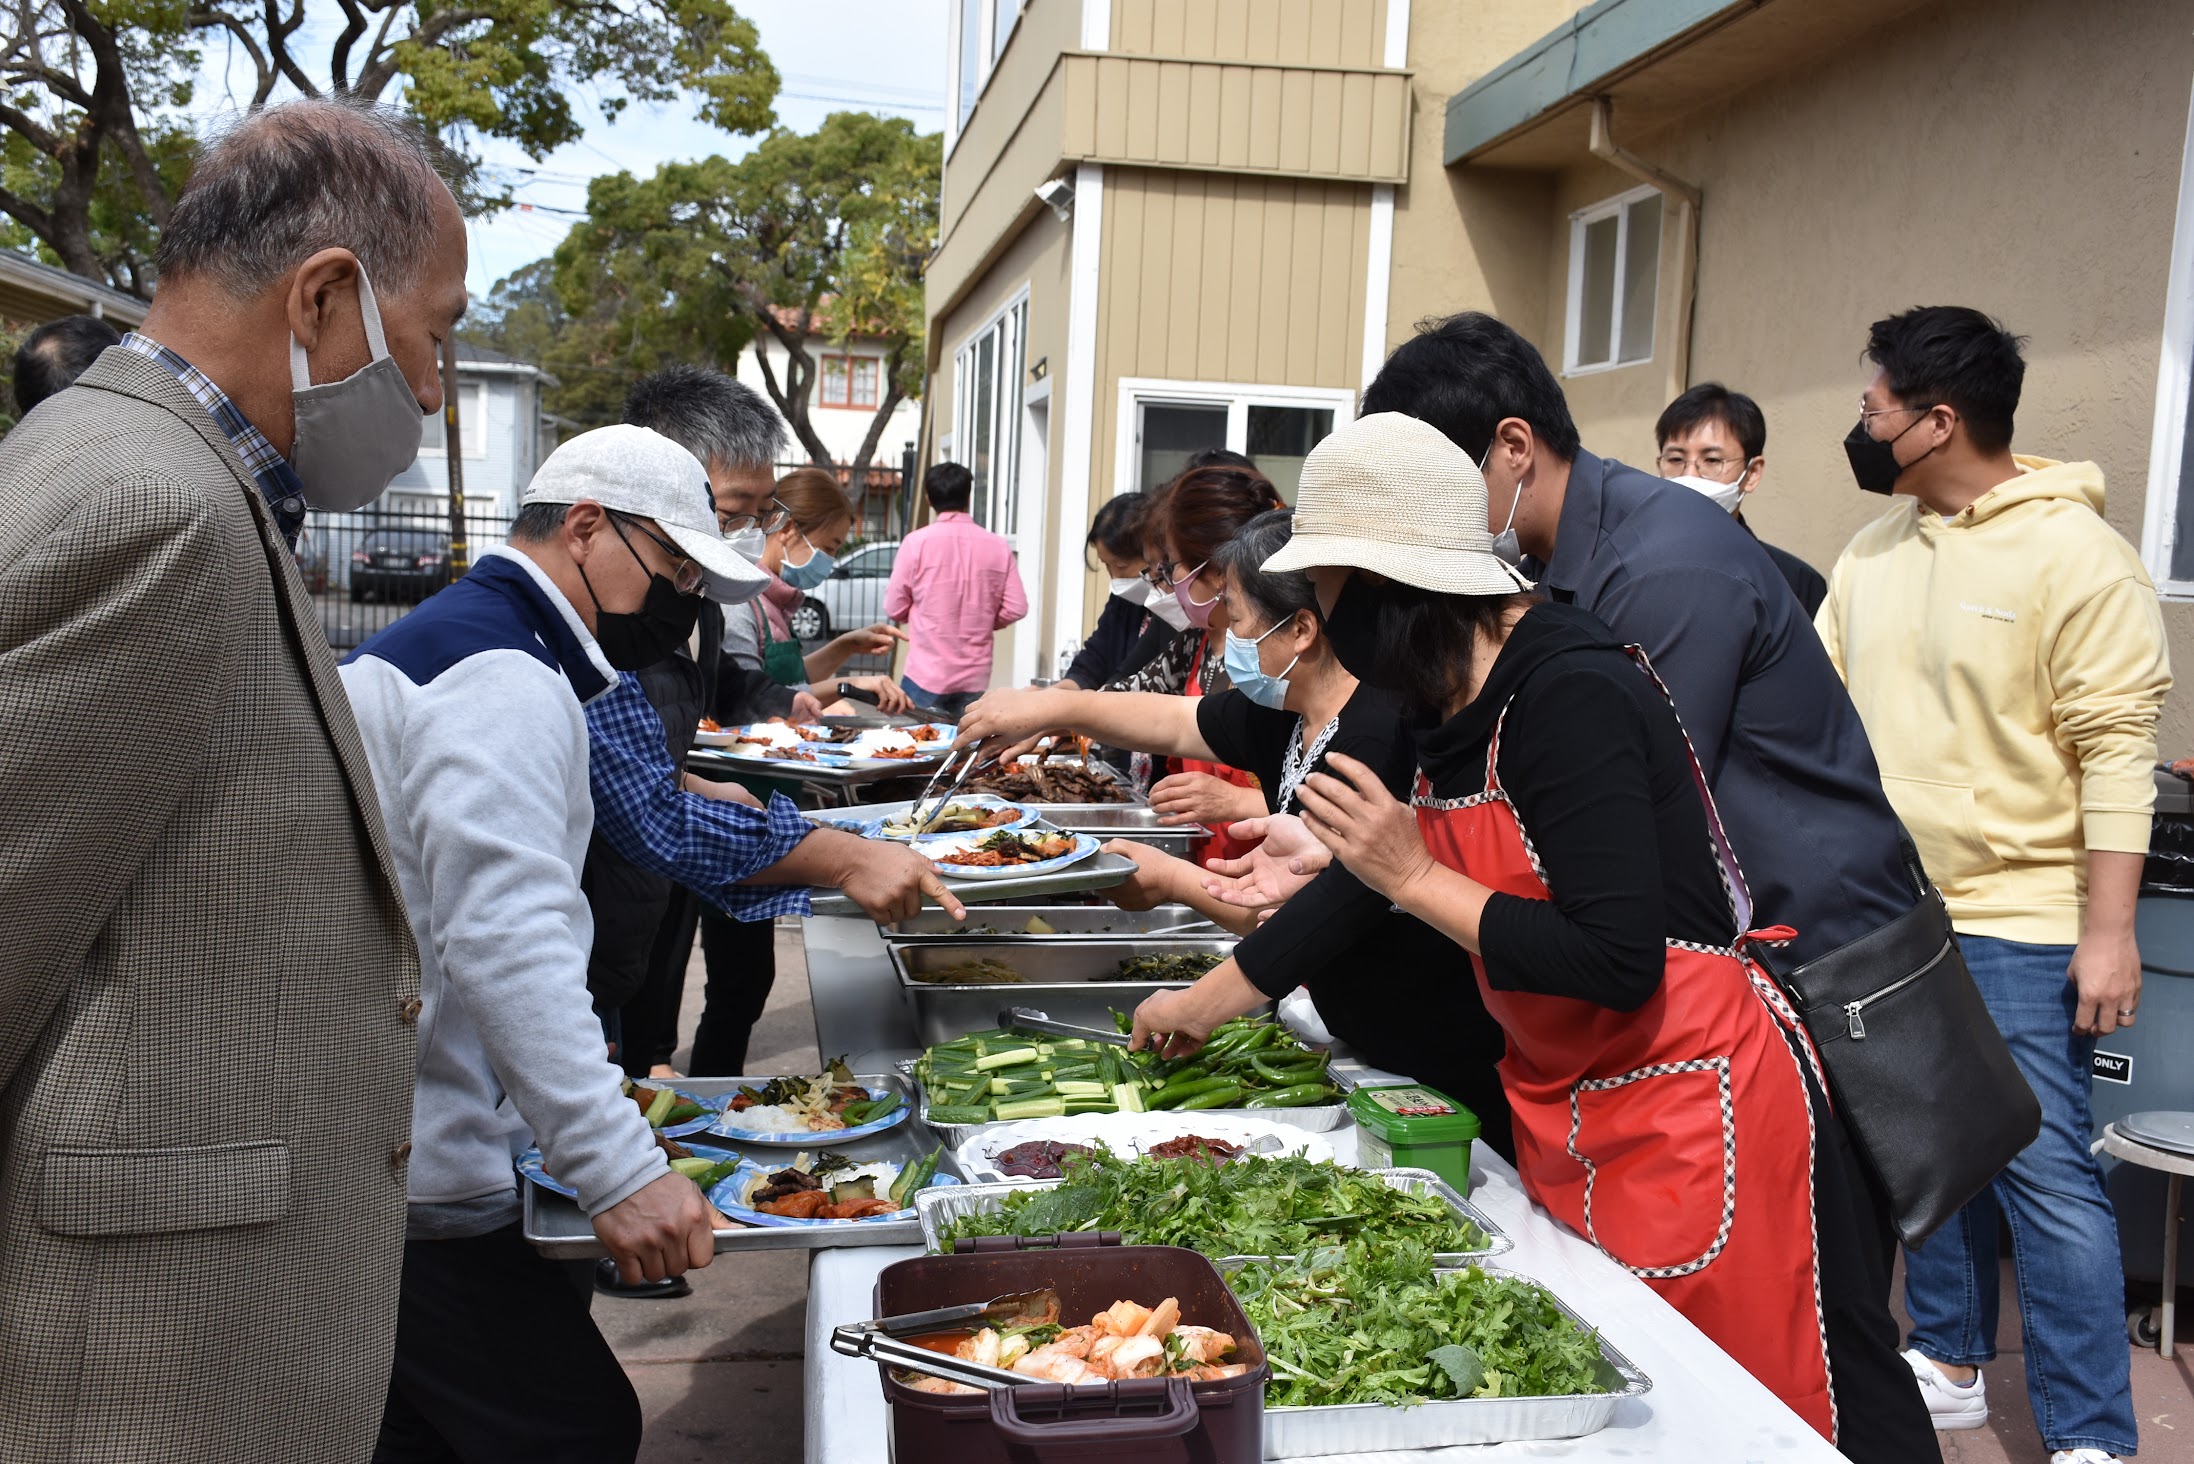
(279, 185)
(724, 423)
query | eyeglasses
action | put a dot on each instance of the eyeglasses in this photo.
(686, 576)
(1868, 416)
(769, 520)
(1675, 464)
(1163, 576)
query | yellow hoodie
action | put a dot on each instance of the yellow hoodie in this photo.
(2009, 664)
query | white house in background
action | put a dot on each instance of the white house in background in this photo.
(849, 385)
(500, 431)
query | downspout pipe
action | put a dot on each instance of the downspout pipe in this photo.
(1688, 199)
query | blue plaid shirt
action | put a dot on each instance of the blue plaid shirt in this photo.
(705, 844)
(279, 484)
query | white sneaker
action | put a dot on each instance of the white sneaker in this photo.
(2084, 1456)
(1952, 1405)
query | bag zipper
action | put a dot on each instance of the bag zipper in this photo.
(1854, 1011)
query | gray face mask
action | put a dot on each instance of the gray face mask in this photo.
(356, 434)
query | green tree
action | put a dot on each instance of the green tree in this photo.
(809, 238)
(92, 146)
(590, 358)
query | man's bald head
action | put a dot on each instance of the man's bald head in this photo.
(281, 184)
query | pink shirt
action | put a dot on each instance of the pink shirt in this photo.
(954, 585)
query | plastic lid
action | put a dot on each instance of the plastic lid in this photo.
(1413, 1114)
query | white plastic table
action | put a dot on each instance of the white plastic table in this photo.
(1703, 1405)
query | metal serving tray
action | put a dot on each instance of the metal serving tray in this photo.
(936, 1209)
(1317, 1118)
(1354, 1428)
(559, 1229)
(715, 760)
(1099, 871)
(1069, 922)
(1067, 979)
(1138, 822)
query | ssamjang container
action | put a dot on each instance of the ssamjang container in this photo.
(1414, 1127)
(1143, 1419)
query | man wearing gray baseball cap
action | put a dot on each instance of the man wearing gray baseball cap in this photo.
(471, 712)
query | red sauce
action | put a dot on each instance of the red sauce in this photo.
(946, 1342)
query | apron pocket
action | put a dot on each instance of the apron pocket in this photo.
(1659, 1149)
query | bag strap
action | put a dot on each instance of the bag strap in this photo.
(1733, 876)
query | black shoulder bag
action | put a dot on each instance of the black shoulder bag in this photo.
(1919, 1072)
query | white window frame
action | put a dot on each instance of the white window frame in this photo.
(472, 426)
(1619, 207)
(1236, 397)
(989, 52)
(1009, 322)
(2174, 380)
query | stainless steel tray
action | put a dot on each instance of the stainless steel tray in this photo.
(1066, 979)
(559, 1229)
(1099, 871)
(1138, 822)
(1362, 1428)
(1317, 1118)
(714, 760)
(1070, 922)
(935, 1209)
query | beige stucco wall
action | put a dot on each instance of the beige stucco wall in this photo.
(2021, 156)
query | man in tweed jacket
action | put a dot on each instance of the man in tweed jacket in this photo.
(208, 987)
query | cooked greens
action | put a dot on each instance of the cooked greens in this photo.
(1254, 1206)
(1376, 1324)
(1164, 968)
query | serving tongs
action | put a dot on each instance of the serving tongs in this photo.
(1028, 1019)
(975, 759)
(880, 1339)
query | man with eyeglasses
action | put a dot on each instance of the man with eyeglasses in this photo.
(1714, 442)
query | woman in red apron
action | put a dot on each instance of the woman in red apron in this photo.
(1665, 1100)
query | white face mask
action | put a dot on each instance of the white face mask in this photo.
(1506, 547)
(1134, 589)
(1724, 496)
(1167, 607)
(353, 435)
(748, 543)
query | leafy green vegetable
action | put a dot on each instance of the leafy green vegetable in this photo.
(1360, 1325)
(1253, 1206)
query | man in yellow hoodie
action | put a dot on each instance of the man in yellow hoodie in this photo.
(2005, 650)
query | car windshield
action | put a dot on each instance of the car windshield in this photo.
(413, 541)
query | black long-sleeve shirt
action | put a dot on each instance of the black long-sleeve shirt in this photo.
(1125, 639)
(1594, 765)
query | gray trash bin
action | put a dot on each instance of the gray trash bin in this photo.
(2150, 1065)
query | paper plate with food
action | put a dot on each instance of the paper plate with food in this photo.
(1004, 853)
(749, 740)
(706, 1167)
(975, 813)
(798, 1110)
(673, 1112)
(826, 1189)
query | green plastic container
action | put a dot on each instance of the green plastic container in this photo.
(1414, 1127)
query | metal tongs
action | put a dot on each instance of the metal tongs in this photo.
(1028, 1019)
(975, 759)
(879, 1339)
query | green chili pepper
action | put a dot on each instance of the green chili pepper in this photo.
(1285, 1073)
(1177, 1095)
(1226, 1095)
(1298, 1096)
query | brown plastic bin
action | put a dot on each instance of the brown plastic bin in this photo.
(1161, 1420)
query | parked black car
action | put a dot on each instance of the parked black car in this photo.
(400, 564)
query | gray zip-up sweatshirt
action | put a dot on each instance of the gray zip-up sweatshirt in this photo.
(471, 711)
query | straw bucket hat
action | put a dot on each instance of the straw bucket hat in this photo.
(1391, 494)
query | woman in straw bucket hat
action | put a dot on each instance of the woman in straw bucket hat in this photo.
(1561, 833)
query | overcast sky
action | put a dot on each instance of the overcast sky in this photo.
(885, 56)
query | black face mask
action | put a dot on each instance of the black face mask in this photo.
(634, 639)
(1352, 630)
(1874, 462)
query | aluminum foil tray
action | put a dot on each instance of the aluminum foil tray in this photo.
(1066, 979)
(1071, 922)
(935, 1209)
(1361, 1428)
(1317, 1118)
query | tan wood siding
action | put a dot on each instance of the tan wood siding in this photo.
(1333, 32)
(1303, 121)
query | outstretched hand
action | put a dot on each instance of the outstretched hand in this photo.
(1288, 858)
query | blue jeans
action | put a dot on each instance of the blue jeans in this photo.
(2064, 1235)
(951, 703)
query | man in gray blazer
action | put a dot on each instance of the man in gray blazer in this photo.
(208, 988)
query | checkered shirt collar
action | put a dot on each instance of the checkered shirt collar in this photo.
(279, 484)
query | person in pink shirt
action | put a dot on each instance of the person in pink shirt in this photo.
(953, 586)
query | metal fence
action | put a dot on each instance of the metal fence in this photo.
(367, 569)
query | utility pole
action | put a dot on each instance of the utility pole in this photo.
(453, 460)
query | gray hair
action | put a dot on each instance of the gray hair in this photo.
(724, 423)
(278, 185)
(1276, 595)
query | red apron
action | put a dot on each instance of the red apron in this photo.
(1220, 845)
(1677, 1138)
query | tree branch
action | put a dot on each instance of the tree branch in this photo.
(278, 34)
(264, 88)
(376, 76)
(354, 26)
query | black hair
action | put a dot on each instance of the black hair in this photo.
(720, 420)
(1219, 457)
(536, 523)
(1119, 526)
(1276, 595)
(54, 355)
(1953, 356)
(1427, 639)
(948, 486)
(1465, 375)
(1710, 401)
